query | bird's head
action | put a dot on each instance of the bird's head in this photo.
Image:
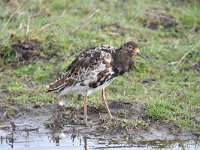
(132, 49)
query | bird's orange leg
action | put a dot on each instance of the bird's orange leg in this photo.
(104, 100)
(85, 99)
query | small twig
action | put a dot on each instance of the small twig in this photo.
(11, 16)
(83, 22)
(139, 13)
(44, 27)
(112, 33)
(193, 28)
(28, 26)
(63, 13)
(17, 3)
(184, 56)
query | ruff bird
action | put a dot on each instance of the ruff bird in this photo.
(94, 69)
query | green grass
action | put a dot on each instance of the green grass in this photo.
(64, 30)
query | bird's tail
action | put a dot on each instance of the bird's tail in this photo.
(64, 81)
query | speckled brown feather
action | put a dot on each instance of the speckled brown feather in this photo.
(115, 62)
(80, 68)
(122, 62)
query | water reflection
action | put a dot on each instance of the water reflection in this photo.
(85, 142)
(58, 138)
(73, 140)
(10, 140)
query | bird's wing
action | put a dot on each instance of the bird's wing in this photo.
(88, 63)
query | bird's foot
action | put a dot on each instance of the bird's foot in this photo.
(87, 125)
(111, 118)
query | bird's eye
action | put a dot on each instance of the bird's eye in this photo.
(130, 47)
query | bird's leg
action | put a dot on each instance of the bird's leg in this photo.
(85, 109)
(104, 100)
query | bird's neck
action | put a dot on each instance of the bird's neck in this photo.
(122, 62)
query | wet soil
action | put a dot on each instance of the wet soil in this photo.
(130, 125)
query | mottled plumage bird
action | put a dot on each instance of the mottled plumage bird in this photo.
(94, 69)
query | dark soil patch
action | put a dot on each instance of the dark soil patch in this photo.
(114, 28)
(149, 80)
(195, 67)
(41, 12)
(158, 18)
(26, 50)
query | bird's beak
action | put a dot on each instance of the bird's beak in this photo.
(138, 53)
(141, 55)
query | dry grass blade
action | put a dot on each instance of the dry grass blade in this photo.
(84, 21)
(11, 16)
(184, 56)
(44, 27)
(28, 26)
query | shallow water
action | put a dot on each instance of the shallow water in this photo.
(29, 132)
(45, 141)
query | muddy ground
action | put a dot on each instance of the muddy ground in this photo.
(130, 125)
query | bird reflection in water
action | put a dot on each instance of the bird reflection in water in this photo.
(56, 138)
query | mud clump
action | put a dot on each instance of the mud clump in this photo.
(123, 127)
(128, 118)
(114, 28)
(61, 117)
(41, 12)
(158, 18)
(148, 81)
(26, 50)
(195, 67)
(67, 115)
